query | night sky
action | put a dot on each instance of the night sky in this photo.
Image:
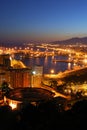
(24, 20)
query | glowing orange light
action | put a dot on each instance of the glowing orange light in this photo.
(13, 105)
(52, 71)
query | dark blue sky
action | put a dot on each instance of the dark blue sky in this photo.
(23, 20)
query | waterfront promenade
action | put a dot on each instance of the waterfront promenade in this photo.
(66, 73)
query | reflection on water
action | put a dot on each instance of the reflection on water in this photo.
(48, 64)
(37, 61)
(69, 66)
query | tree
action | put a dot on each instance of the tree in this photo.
(4, 87)
(53, 83)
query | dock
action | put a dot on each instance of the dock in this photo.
(67, 61)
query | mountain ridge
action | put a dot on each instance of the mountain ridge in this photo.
(74, 40)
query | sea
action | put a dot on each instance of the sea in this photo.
(48, 64)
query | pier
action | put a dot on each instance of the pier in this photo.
(67, 61)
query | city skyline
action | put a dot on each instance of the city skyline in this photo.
(48, 20)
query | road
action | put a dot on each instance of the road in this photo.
(56, 94)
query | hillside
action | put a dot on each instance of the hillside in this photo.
(74, 40)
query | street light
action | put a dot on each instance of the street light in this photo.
(33, 72)
(52, 71)
(32, 78)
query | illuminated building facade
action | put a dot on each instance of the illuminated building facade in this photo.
(37, 75)
(4, 65)
(18, 76)
(38, 70)
(5, 60)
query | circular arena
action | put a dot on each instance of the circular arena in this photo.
(28, 95)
